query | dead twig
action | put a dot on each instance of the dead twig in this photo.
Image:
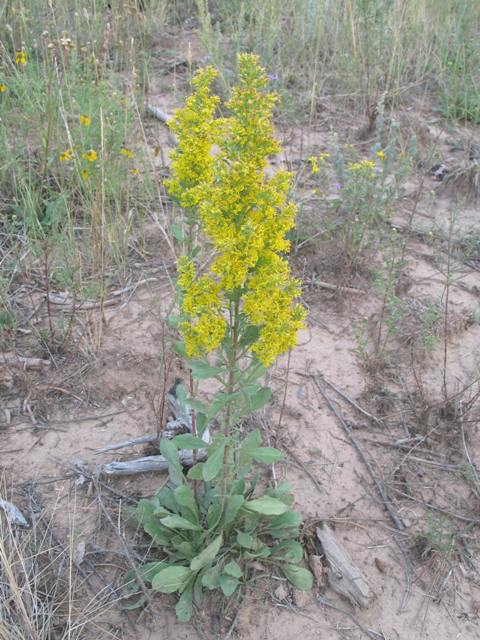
(376, 480)
(20, 362)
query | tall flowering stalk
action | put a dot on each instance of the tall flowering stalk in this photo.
(238, 313)
(241, 303)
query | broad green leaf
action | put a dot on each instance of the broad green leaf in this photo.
(268, 455)
(184, 497)
(232, 568)
(150, 569)
(252, 441)
(197, 405)
(300, 578)
(185, 549)
(203, 370)
(144, 511)
(249, 335)
(259, 399)
(207, 555)
(213, 465)
(166, 499)
(171, 579)
(284, 523)
(210, 579)
(228, 584)
(232, 507)
(214, 514)
(184, 606)
(245, 540)
(196, 472)
(201, 422)
(135, 605)
(158, 534)
(170, 453)
(179, 348)
(260, 551)
(178, 233)
(187, 441)
(266, 506)
(289, 550)
(177, 522)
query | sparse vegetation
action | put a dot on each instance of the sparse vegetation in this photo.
(142, 247)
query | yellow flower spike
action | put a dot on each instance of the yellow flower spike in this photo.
(21, 58)
(243, 212)
(128, 153)
(135, 171)
(381, 155)
(313, 161)
(90, 155)
(66, 156)
(85, 120)
(3, 87)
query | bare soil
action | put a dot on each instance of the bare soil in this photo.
(424, 579)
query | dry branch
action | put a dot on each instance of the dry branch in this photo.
(344, 577)
(20, 362)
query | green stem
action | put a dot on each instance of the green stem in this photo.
(227, 428)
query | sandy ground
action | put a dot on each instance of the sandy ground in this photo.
(61, 416)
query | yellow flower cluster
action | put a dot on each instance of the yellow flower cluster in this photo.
(197, 130)
(3, 87)
(365, 168)
(202, 302)
(243, 212)
(21, 58)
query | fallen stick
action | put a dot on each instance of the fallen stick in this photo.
(20, 362)
(163, 117)
(150, 463)
(376, 480)
(344, 577)
(129, 443)
(13, 513)
(66, 300)
(343, 395)
(335, 287)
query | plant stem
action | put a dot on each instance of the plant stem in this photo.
(227, 428)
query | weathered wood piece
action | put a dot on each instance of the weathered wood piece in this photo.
(13, 513)
(19, 362)
(344, 577)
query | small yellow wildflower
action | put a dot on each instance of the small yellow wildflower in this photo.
(314, 163)
(85, 120)
(3, 87)
(323, 156)
(66, 156)
(21, 58)
(381, 155)
(128, 153)
(85, 174)
(90, 155)
(135, 171)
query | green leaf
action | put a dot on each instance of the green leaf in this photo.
(170, 453)
(245, 540)
(179, 348)
(178, 233)
(203, 370)
(285, 523)
(201, 422)
(196, 405)
(249, 336)
(185, 498)
(228, 584)
(268, 455)
(150, 569)
(196, 472)
(184, 606)
(232, 507)
(289, 550)
(210, 579)
(252, 441)
(207, 555)
(166, 499)
(213, 466)
(233, 569)
(267, 506)
(171, 579)
(300, 578)
(187, 441)
(157, 533)
(258, 399)
(177, 522)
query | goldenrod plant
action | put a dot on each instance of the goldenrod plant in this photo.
(238, 312)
